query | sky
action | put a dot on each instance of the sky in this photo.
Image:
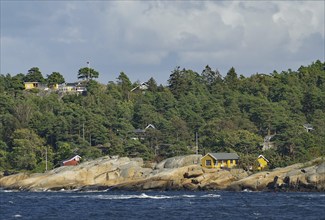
(147, 39)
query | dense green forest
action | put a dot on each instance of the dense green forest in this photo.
(221, 114)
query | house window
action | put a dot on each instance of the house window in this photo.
(208, 163)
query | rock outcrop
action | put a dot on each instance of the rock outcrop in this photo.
(104, 171)
(308, 176)
(174, 173)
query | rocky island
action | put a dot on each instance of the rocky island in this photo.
(177, 173)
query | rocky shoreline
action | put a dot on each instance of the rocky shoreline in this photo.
(177, 173)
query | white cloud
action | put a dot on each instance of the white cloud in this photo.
(154, 36)
(301, 19)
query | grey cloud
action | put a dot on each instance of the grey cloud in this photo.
(147, 39)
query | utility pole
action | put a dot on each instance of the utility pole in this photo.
(196, 144)
(46, 158)
(83, 131)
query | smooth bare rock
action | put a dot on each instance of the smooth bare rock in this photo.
(165, 179)
(189, 177)
(173, 173)
(104, 171)
(302, 177)
(194, 172)
(239, 173)
(321, 168)
(180, 161)
(13, 181)
(190, 186)
(218, 180)
(154, 184)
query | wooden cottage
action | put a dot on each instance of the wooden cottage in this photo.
(34, 85)
(220, 160)
(140, 134)
(72, 162)
(72, 88)
(262, 162)
(142, 87)
(30, 85)
(308, 127)
(42, 86)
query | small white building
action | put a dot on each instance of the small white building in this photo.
(308, 127)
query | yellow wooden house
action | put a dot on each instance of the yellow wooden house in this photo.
(262, 162)
(54, 86)
(31, 85)
(220, 160)
(38, 85)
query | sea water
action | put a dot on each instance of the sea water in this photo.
(161, 205)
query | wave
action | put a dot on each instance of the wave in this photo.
(141, 196)
(8, 190)
(247, 190)
(211, 196)
(123, 197)
(189, 196)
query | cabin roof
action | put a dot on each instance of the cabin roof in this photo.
(142, 86)
(224, 156)
(150, 126)
(308, 126)
(77, 157)
(144, 130)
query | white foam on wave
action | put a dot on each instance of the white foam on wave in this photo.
(211, 196)
(17, 216)
(141, 196)
(247, 190)
(8, 190)
(145, 196)
(123, 197)
(189, 196)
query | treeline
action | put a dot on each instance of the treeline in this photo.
(219, 114)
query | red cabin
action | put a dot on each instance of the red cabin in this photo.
(72, 162)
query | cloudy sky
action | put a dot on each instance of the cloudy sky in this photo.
(150, 38)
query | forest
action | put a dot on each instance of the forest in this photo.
(204, 111)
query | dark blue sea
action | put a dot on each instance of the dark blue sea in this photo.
(161, 205)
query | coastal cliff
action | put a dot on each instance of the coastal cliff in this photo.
(183, 172)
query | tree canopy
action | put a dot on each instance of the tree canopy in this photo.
(55, 78)
(228, 114)
(87, 73)
(34, 75)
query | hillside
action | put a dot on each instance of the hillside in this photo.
(219, 114)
